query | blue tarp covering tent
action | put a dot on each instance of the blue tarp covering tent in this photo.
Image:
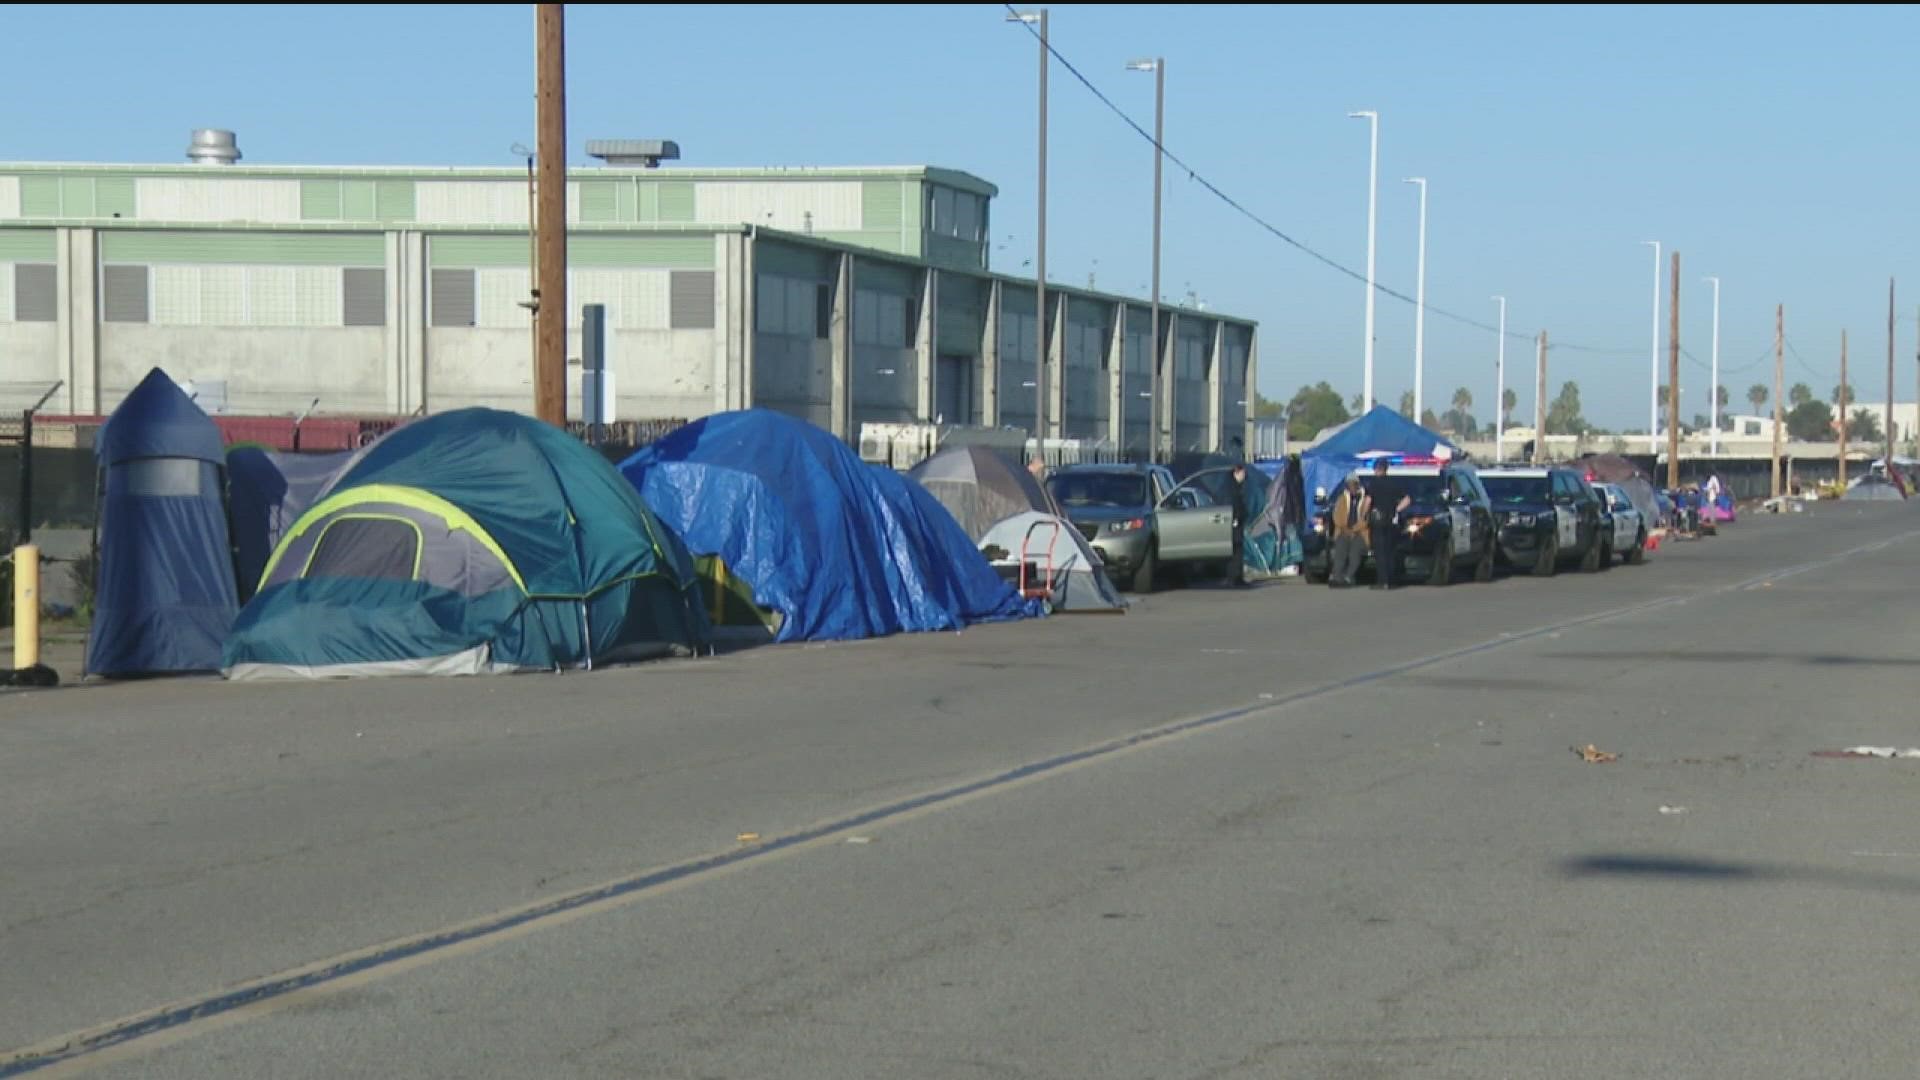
(267, 491)
(834, 547)
(164, 598)
(1382, 431)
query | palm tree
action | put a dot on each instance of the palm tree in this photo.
(1757, 396)
(1799, 395)
(1406, 404)
(1463, 399)
(1508, 402)
(1843, 395)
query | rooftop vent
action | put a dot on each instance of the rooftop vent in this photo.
(212, 146)
(645, 153)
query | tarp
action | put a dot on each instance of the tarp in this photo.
(267, 491)
(1380, 432)
(839, 548)
(590, 576)
(165, 597)
(1872, 489)
(1276, 518)
(980, 487)
(1616, 470)
(1059, 560)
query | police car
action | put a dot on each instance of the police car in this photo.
(1548, 515)
(1448, 525)
(1628, 527)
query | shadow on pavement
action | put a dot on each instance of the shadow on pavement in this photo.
(1683, 870)
(1710, 657)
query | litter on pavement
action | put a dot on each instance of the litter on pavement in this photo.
(1593, 755)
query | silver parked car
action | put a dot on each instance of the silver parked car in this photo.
(1141, 521)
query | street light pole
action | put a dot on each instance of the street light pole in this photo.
(1373, 219)
(1713, 391)
(1420, 311)
(1653, 360)
(1039, 19)
(1159, 68)
(1500, 390)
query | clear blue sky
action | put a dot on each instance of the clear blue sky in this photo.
(1773, 146)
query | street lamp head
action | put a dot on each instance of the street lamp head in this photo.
(1364, 114)
(1650, 243)
(1143, 65)
(1027, 17)
(1421, 180)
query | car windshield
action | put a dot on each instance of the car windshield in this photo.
(1099, 489)
(1515, 489)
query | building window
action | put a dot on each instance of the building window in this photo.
(943, 211)
(691, 299)
(125, 298)
(363, 296)
(451, 302)
(33, 293)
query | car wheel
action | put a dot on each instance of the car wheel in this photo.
(1590, 562)
(1638, 555)
(1442, 573)
(1483, 570)
(1149, 569)
(1547, 562)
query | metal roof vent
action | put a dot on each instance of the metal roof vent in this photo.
(213, 146)
(645, 153)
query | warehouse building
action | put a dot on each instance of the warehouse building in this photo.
(846, 296)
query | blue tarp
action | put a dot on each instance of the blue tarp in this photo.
(839, 548)
(1382, 431)
(164, 599)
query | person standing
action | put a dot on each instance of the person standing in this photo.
(1237, 502)
(1350, 510)
(1388, 499)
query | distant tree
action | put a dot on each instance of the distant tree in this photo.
(1799, 395)
(1720, 394)
(1842, 395)
(1811, 421)
(1865, 427)
(1313, 410)
(1665, 395)
(1563, 416)
(1406, 404)
(1757, 396)
(1358, 405)
(1701, 422)
(1463, 399)
(1429, 421)
(1265, 408)
(1508, 402)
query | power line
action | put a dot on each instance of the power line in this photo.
(1331, 263)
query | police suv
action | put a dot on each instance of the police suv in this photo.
(1548, 515)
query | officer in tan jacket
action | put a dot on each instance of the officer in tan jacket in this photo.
(1350, 512)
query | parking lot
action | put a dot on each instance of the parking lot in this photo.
(1280, 831)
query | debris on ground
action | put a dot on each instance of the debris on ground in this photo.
(859, 839)
(748, 838)
(1881, 752)
(1593, 755)
(1670, 811)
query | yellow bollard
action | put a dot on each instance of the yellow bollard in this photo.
(26, 606)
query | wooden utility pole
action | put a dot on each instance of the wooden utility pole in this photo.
(1779, 377)
(1540, 403)
(550, 331)
(1673, 380)
(1846, 399)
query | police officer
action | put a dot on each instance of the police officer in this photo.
(1384, 523)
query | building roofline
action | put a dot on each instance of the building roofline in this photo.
(951, 177)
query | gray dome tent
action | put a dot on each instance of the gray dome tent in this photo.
(980, 487)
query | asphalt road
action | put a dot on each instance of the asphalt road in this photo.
(1282, 832)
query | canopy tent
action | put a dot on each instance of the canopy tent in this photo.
(1058, 560)
(836, 548)
(980, 487)
(1624, 474)
(267, 491)
(1379, 433)
(1872, 488)
(164, 598)
(472, 541)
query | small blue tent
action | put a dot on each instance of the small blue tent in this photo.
(164, 598)
(833, 547)
(267, 491)
(1382, 431)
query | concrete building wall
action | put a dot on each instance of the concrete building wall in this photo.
(266, 369)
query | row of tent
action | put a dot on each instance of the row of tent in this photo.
(479, 541)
